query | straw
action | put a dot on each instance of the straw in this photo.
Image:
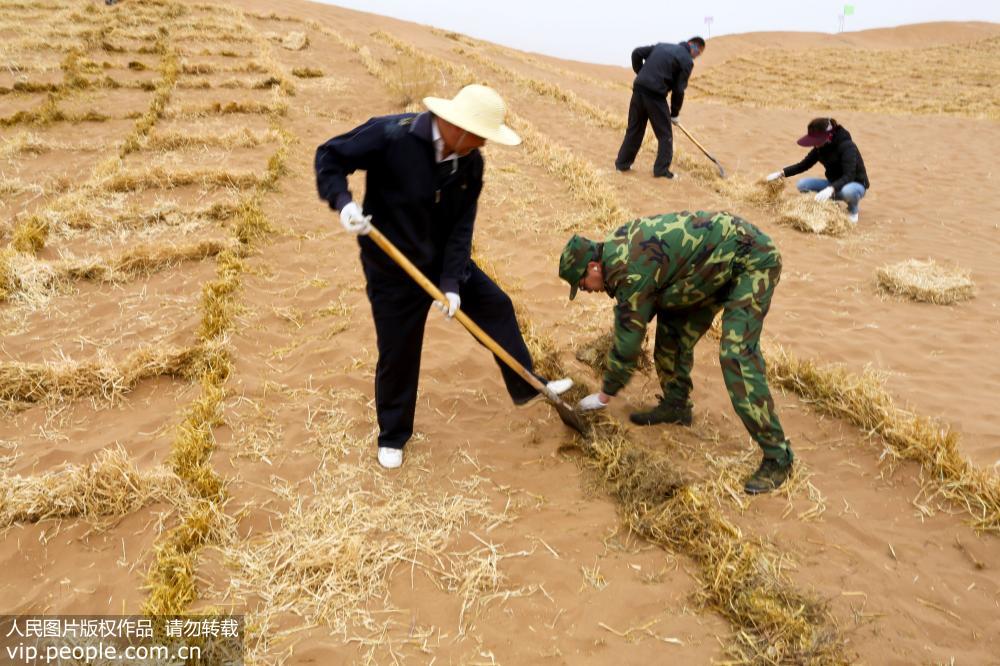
(109, 486)
(925, 281)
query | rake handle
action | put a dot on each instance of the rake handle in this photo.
(693, 140)
(700, 147)
(463, 318)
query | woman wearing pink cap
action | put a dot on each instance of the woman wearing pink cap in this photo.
(832, 146)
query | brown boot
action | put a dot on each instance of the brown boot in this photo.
(665, 412)
(769, 476)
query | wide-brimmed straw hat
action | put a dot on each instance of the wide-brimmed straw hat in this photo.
(478, 110)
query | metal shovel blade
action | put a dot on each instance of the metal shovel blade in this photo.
(568, 415)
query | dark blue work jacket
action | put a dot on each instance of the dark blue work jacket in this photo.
(426, 209)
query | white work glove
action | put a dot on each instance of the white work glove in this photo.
(354, 220)
(824, 194)
(591, 403)
(451, 307)
(775, 176)
(675, 120)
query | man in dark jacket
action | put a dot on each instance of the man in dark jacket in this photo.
(832, 146)
(660, 69)
(424, 173)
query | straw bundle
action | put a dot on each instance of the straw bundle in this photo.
(205, 68)
(242, 137)
(13, 187)
(30, 234)
(295, 41)
(863, 400)
(163, 90)
(24, 278)
(171, 578)
(141, 260)
(741, 578)
(925, 281)
(760, 193)
(24, 143)
(159, 178)
(9, 282)
(307, 72)
(29, 280)
(35, 382)
(109, 486)
(804, 214)
(220, 109)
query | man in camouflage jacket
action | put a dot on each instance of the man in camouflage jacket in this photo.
(683, 268)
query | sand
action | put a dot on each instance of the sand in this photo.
(535, 565)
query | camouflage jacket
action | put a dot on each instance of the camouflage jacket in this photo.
(670, 262)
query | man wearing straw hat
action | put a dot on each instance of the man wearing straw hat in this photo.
(683, 268)
(424, 173)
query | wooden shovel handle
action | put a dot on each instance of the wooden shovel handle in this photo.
(473, 328)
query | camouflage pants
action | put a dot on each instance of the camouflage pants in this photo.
(744, 303)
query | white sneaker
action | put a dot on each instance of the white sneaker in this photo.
(853, 217)
(390, 458)
(560, 386)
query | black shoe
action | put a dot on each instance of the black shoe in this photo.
(668, 174)
(665, 412)
(769, 476)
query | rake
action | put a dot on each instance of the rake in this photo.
(722, 172)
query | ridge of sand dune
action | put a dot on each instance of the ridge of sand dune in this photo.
(915, 36)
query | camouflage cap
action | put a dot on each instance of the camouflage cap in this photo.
(578, 252)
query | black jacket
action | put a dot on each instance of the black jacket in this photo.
(840, 158)
(663, 68)
(426, 209)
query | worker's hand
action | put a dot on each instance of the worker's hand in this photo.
(775, 176)
(454, 301)
(593, 402)
(675, 120)
(824, 194)
(354, 220)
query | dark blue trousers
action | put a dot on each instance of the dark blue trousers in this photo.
(647, 107)
(399, 307)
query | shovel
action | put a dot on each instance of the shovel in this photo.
(722, 172)
(566, 413)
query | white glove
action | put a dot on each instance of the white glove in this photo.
(675, 120)
(354, 220)
(824, 194)
(775, 176)
(449, 309)
(591, 403)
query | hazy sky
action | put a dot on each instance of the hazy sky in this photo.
(607, 31)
